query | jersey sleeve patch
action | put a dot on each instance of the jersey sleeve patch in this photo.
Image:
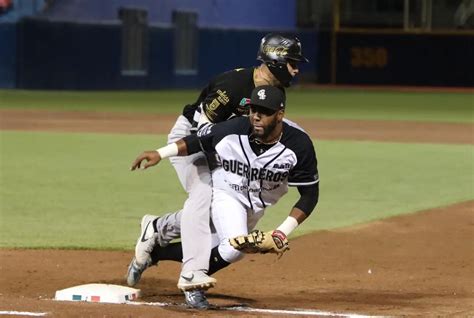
(211, 108)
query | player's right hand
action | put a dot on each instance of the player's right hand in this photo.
(151, 157)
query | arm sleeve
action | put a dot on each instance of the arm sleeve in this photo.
(205, 139)
(309, 198)
(306, 170)
(210, 135)
(192, 144)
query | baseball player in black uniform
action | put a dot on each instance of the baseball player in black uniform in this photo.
(257, 158)
(225, 97)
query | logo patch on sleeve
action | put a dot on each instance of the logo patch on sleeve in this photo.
(244, 101)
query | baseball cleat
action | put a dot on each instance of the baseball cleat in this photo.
(195, 281)
(134, 272)
(196, 299)
(147, 240)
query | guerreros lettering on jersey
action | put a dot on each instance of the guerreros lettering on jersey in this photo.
(257, 181)
(244, 170)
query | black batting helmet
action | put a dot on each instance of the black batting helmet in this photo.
(276, 50)
(280, 49)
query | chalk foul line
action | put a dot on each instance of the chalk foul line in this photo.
(296, 312)
(22, 313)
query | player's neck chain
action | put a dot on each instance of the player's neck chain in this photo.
(260, 142)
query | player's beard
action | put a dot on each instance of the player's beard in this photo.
(267, 131)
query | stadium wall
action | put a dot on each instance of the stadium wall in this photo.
(427, 59)
(8, 59)
(66, 55)
(40, 54)
(211, 13)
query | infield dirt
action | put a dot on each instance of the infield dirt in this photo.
(419, 264)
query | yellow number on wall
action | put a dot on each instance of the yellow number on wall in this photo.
(368, 57)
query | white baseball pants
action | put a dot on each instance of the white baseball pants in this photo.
(230, 218)
(195, 177)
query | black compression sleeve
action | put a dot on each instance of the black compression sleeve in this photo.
(309, 198)
(192, 144)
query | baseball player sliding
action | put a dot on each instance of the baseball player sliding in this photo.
(256, 159)
(226, 96)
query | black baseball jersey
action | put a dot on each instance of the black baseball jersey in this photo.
(225, 96)
(259, 178)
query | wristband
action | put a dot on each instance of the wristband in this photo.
(170, 150)
(288, 225)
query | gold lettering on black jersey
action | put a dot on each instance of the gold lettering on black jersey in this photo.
(213, 105)
(211, 114)
(223, 98)
(210, 109)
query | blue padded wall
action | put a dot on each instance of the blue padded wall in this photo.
(65, 55)
(8, 61)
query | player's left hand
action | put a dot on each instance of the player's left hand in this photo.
(152, 158)
(261, 242)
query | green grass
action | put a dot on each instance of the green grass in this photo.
(366, 181)
(75, 190)
(170, 102)
(318, 103)
(413, 106)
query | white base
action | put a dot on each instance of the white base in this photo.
(100, 293)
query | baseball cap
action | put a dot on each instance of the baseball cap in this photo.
(268, 96)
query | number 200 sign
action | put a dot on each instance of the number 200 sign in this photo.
(368, 57)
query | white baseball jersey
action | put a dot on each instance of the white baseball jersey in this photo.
(258, 176)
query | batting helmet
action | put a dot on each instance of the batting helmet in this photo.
(276, 50)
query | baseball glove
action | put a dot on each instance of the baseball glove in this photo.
(260, 242)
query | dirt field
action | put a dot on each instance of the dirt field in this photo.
(419, 264)
(402, 131)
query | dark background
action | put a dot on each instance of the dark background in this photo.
(80, 44)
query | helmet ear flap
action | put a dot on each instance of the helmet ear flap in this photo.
(281, 73)
(275, 63)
